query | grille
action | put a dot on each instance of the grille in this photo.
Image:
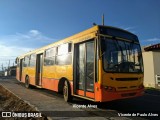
(128, 94)
(122, 87)
(126, 79)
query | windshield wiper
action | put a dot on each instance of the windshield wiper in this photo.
(120, 49)
(102, 54)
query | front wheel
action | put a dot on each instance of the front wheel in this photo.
(67, 92)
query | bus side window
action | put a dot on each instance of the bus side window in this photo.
(64, 56)
(49, 58)
(69, 47)
(26, 61)
(32, 60)
(63, 49)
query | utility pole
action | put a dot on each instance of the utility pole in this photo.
(9, 64)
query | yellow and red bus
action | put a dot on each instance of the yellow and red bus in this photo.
(101, 64)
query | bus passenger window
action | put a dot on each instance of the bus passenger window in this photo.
(32, 61)
(64, 59)
(69, 47)
(64, 56)
(63, 49)
(26, 61)
(50, 56)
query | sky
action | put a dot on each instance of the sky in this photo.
(29, 24)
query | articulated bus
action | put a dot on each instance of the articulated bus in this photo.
(100, 64)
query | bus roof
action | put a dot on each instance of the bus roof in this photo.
(65, 40)
(93, 29)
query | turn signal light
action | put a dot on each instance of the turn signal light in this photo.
(110, 89)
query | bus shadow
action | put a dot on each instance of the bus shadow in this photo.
(144, 104)
(149, 102)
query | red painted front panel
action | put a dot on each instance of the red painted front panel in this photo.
(102, 95)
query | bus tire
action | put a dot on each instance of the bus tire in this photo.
(27, 85)
(67, 92)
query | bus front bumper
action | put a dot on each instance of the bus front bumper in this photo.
(104, 95)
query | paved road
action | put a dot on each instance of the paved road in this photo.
(46, 100)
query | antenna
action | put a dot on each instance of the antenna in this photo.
(103, 19)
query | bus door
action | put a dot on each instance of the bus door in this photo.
(20, 70)
(84, 69)
(39, 61)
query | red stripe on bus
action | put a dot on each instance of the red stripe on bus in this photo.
(80, 92)
(90, 94)
(50, 83)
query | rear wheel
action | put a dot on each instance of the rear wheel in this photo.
(27, 85)
(67, 92)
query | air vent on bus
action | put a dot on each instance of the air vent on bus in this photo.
(126, 79)
(133, 86)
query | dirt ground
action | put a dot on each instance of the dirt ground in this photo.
(9, 102)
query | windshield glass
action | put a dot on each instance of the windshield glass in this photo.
(121, 56)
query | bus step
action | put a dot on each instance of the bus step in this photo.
(38, 86)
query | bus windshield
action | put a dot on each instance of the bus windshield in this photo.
(121, 56)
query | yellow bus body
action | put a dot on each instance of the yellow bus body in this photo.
(53, 76)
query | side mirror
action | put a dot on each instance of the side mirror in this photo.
(16, 61)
